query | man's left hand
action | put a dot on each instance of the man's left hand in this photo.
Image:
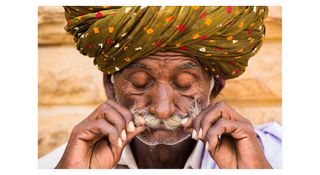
(229, 137)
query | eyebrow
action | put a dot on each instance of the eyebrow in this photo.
(190, 65)
(138, 65)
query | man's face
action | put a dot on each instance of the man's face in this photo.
(164, 85)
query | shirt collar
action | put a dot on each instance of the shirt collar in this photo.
(127, 158)
(193, 161)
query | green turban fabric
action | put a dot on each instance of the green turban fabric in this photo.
(222, 38)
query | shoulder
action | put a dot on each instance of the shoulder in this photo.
(270, 136)
(50, 160)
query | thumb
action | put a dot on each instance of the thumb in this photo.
(137, 131)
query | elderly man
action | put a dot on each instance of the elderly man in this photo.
(163, 67)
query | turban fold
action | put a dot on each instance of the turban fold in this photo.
(222, 38)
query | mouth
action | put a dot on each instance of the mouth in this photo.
(162, 131)
(161, 135)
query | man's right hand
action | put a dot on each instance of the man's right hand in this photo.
(98, 141)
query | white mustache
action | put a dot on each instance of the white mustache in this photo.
(143, 117)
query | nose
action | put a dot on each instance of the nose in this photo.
(162, 105)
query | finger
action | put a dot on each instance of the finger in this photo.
(222, 109)
(186, 122)
(95, 130)
(137, 131)
(198, 132)
(187, 125)
(217, 111)
(126, 113)
(101, 149)
(213, 138)
(237, 130)
(115, 118)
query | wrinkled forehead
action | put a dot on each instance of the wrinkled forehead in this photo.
(167, 60)
(168, 56)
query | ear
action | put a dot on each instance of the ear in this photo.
(109, 87)
(218, 86)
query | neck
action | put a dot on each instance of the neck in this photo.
(162, 156)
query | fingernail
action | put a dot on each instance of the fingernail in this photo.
(184, 121)
(123, 135)
(119, 143)
(207, 145)
(131, 127)
(194, 134)
(200, 133)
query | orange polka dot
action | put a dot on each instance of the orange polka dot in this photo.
(169, 19)
(208, 21)
(240, 50)
(128, 59)
(96, 30)
(196, 36)
(241, 24)
(149, 31)
(230, 38)
(111, 29)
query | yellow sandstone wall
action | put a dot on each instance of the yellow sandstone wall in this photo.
(70, 87)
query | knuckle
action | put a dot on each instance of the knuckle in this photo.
(220, 122)
(245, 120)
(101, 123)
(77, 128)
(128, 115)
(205, 121)
(210, 133)
(221, 105)
(105, 107)
(248, 127)
(120, 122)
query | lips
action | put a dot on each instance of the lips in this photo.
(162, 127)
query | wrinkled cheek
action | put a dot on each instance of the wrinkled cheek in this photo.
(186, 102)
(129, 99)
(199, 96)
(123, 97)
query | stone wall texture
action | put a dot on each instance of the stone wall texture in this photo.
(70, 87)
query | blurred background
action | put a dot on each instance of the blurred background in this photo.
(70, 87)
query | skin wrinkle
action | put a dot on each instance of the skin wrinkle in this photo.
(162, 100)
(161, 68)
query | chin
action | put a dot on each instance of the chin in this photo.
(159, 136)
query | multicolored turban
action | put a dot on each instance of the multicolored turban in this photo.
(221, 38)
